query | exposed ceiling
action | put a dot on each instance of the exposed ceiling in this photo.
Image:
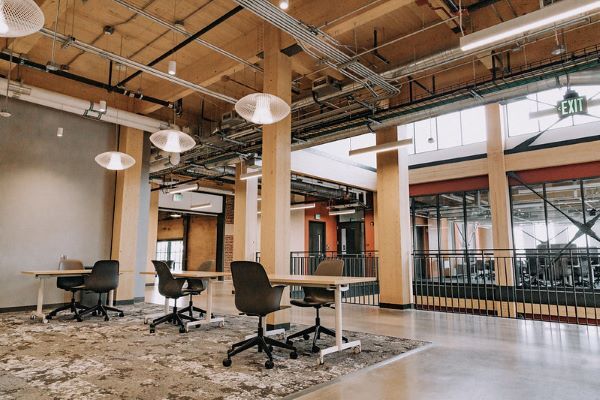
(385, 36)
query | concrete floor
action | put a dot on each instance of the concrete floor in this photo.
(471, 357)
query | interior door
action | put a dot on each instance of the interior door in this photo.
(351, 237)
(316, 237)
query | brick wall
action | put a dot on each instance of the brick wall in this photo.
(228, 242)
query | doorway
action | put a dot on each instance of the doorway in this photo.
(316, 237)
(351, 237)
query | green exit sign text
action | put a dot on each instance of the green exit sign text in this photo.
(572, 106)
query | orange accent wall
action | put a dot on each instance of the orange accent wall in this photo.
(330, 226)
(369, 231)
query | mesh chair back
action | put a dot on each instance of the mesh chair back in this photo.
(69, 282)
(104, 276)
(325, 268)
(168, 286)
(252, 288)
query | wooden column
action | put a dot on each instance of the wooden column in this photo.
(152, 234)
(393, 224)
(275, 186)
(245, 224)
(127, 212)
(499, 203)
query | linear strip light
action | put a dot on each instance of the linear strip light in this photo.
(197, 187)
(342, 212)
(546, 16)
(381, 147)
(303, 206)
(201, 206)
(251, 175)
(183, 189)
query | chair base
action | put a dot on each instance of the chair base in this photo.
(100, 309)
(191, 308)
(263, 343)
(317, 329)
(175, 317)
(73, 306)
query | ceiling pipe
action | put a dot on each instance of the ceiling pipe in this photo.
(71, 41)
(35, 95)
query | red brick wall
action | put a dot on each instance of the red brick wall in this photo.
(228, 242)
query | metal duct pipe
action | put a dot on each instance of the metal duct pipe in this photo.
(321, 191)
(71, 41)
(77, 106)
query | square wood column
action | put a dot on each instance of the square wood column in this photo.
(127, 212)
(245, 222)
(276, 175)
(392, 223)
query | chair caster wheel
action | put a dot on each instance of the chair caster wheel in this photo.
(121, 314)
(79, 319)
(221, 324)
(44, 321)
(227, 362)
(48, 317)
(316, 349)
(32, 317)
(320, 361)
(182, 329)
(152, 328)
(357, 350)
(293, 355)
(145, 321)
(269, 364)
(106, 318)
(305, 336)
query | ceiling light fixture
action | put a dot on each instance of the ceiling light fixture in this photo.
(59, 132)
(303, 206)
(172, 140)
(183, 189)
(201, 206)
(172, 69)
(284, 4)
(20, 18)
(115, 160)
(102, 106)
(381, 147)
(251, 175)
(546, 16)
(262, 108)
(342, 212)
(175, 215)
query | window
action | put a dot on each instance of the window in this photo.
(170, 250)
(473, 125)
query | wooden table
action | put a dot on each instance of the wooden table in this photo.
(338, 284)
(209, 276)
(43, 275)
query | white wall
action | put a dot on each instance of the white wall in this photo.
(55, 198)
(297, 226)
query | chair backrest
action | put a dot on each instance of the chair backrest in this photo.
(68, 282)
(208, 265)
(104, 276)
(325, 268)
(252, 288)
(168, 286)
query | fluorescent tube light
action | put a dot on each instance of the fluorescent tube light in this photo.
(303, 206)
(201, 206)
(183, 189)
(381, 147)
(534, 20)
(251, 175)
(342, 212)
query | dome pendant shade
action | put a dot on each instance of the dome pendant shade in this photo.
(262, 108)
(172, 140)
(115, 160)
(20, 18)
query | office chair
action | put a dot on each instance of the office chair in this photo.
(317, 298)
(171, 288)
(197, 286)
(69, 284)
(103, 278)
(254, 296)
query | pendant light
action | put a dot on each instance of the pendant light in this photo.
(115, 160)
(172, 140)
(20, 18)
(262, 108)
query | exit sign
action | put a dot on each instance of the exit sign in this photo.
(572, 104)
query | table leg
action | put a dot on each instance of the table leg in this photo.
(209, 306)
(40, 301)
(111, 298)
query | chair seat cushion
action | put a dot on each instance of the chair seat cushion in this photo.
(306, 302)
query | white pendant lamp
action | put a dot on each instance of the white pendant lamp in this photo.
(20, 18)
(115, 160)
(172, 140)
(262, 108)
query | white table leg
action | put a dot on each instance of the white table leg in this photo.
(339, 344)
(209, 305)
(40, 301)
(111, 298)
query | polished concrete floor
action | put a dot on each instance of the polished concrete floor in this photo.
(471, 357)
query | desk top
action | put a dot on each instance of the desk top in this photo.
(194, 274)
(62, 272)
(318, 280)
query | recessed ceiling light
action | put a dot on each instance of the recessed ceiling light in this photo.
(284, 4)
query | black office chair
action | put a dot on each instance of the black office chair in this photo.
(69, 284)
(317, 298)
(197, 286)
(171, 288)
(254, 296)
(103, 278)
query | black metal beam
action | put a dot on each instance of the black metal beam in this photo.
(187, 41)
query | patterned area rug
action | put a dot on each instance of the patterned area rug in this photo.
(120, 359)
